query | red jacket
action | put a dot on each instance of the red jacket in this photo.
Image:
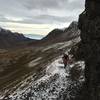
(65, 59)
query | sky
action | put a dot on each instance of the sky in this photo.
(38, 16)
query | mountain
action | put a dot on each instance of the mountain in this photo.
(53, 34)
(72, 31)
(58, 35)
(10, 39)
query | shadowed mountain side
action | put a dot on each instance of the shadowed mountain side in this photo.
(9, 39)
(59, 35)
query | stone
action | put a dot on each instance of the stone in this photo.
(89, 24)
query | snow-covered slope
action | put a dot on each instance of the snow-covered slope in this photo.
(54, 85)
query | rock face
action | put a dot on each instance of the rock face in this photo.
(89, 24)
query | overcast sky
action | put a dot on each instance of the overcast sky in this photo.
(38, 16)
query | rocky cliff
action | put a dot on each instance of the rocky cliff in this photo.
(89, 24)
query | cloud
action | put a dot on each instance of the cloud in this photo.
(50, 12)
(37, 4)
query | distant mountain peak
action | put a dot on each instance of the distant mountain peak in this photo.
(53, 34)
(10, 39)
(73, 24)
(65, 34)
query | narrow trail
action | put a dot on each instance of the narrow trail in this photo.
(54, 85)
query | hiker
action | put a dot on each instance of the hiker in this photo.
(65, 59)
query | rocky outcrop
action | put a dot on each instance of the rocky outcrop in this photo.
(89, 24)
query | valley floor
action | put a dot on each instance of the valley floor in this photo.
(37, 73)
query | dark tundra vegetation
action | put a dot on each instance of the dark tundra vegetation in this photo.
(33, 69)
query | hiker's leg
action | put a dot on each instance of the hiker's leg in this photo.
(65, 65)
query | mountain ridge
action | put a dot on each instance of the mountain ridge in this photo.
(58, 35)
(10, 39)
